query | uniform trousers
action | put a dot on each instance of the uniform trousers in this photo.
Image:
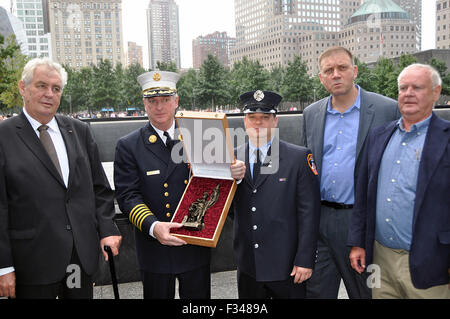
(249, 288)
(333, 263)
(395, 277)
(76, 284)
(195, 284)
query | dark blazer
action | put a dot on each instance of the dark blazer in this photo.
(41, 220)
(375, 110)
(279, 214)
(430, 248)
(147, 180)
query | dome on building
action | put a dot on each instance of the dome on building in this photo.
(383, 9)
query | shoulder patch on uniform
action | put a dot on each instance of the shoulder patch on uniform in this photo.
(312, 164)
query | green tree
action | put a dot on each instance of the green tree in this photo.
(441, 67)
(392, 86)
(296, 85)
(131, 90)
(105, 91)
(366, 79)
(382, 71)
(213, 86)
(77, 95)
(248, 75)
(167, 66)
(12, 62)
(275, 78)
(186, 89)
(319, 89)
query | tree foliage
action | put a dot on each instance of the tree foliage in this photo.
(213, 89)
(11, 64)
(248, 75)
(213, 86)
(296, 85)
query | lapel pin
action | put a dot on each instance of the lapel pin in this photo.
(152, 139)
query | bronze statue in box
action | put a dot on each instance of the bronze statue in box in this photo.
(197, 210)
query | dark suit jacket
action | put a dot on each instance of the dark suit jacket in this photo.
(430, 248)
(375, 110)
(40, 219)
(280, 214)
(144, 174)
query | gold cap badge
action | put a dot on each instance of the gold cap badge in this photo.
(157, 77)
(152, 139)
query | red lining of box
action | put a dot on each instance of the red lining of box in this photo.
(196, 188)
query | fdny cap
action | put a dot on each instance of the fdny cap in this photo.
(260, 102)
(158, 83)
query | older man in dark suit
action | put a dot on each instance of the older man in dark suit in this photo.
(56, 205)
(276, 207)
(401, 219)
(335, 129)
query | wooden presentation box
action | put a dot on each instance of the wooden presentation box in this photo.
(208, 148)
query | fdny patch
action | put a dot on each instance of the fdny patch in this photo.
(312, 164)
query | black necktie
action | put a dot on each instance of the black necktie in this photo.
(47, 142)
(169, 141)
(257, 165)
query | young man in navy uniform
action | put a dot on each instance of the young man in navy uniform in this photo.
(149, 185)
(276, 207)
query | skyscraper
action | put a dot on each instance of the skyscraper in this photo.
(269, 30)
(379, 28)
(134, 54)
(414, 8)
(11, 25)
(218, 44)
(442, 24)
(32, 13)
(163, 32)
(86, 32)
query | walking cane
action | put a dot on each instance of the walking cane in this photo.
(112, 269)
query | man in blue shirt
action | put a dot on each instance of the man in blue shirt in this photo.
(335, 129)
(401, 218)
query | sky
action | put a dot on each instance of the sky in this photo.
(202, 17)
(197, 17)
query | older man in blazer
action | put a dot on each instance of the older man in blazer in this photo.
(401, 219)
(56, 205)
(335, 129)
(276, 207)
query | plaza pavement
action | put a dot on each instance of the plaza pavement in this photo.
(223, 286)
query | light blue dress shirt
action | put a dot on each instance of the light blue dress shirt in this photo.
(397, 181)
(339, 152)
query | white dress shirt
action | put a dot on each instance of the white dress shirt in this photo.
(58, 142)
(171, 132)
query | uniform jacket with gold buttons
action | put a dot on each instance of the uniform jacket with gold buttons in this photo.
(276, 219)
(149, 186)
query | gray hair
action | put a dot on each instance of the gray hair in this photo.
(434, 74)
(28, 70)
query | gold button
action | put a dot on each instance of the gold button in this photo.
(185, 182)
(168, 215)
(166, 194)
(166, 185)
(167, 205)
